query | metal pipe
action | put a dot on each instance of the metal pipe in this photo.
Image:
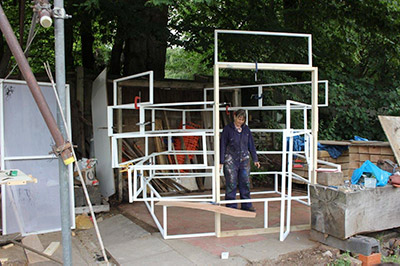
(37, 94)
(35, 251)
(63, 169)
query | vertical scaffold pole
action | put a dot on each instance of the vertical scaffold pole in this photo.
(216, 149)
(314, 126)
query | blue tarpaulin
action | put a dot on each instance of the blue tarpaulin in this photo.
(334, 150)
(382, 177)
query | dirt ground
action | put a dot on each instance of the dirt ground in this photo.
(325, 255)
(321, 255)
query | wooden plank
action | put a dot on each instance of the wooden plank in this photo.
(363, 149)
(19, 179)
(387, 157)
(354, 165)
(364, 157)
(391, 125)
(375, 158)
(370, 143)
(209, 207)
(353, 149)
(323, 154)
(258, 231)
(33, 241)
(346, 159)
(386, 151)
(374, 150)
(51, 248)
(335, 142)
(96, 208)
(346, 166)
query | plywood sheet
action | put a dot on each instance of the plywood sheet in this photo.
(102, 143)
(391, 126)
(209, 207)
(33, 241)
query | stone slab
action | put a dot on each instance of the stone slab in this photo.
(344, 214)
(330, 178)
(119, 229)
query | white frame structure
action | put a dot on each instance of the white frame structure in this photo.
(145, 169)
(5, 189)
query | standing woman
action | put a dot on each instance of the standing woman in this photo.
(236, 146)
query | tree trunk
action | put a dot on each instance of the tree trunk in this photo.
(87, 40)
(69, 39)
(116, 54)
(146, 49)
(5, 58)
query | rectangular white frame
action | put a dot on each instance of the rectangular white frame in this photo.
(3, 159)
(138, 184)
(314, 103)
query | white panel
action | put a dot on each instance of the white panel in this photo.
(26, 135)
(38, 204)
(102, 143)
(23, 122)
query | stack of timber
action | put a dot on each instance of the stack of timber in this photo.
(353, 158)
(131, 151)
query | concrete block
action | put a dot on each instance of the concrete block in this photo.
(370, 260)
(358, 244)
(344, 214)
(94, 194)
(330, 178)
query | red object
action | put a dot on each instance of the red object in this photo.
(374, 258)
(227, 109)
(297, 166)
(395, 180)
(191, 144)
(137, 99)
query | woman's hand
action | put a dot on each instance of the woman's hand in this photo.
(257, 164)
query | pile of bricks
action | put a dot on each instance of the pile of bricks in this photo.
(353, 158)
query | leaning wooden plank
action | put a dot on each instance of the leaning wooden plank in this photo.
(391, 126)
(258, 231)
(209, 207)
(33, 242)
(51, 248)
(36, 251)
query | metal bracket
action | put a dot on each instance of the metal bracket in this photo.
(60, 13)
(58, 150)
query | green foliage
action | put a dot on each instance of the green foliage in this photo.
(344, 260)
(393, 258)
(181, 64)
(356, 46)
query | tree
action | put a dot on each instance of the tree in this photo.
(355, 46)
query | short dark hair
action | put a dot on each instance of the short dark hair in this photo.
(240, 113)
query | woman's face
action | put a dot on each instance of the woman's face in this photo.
(239, 120)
